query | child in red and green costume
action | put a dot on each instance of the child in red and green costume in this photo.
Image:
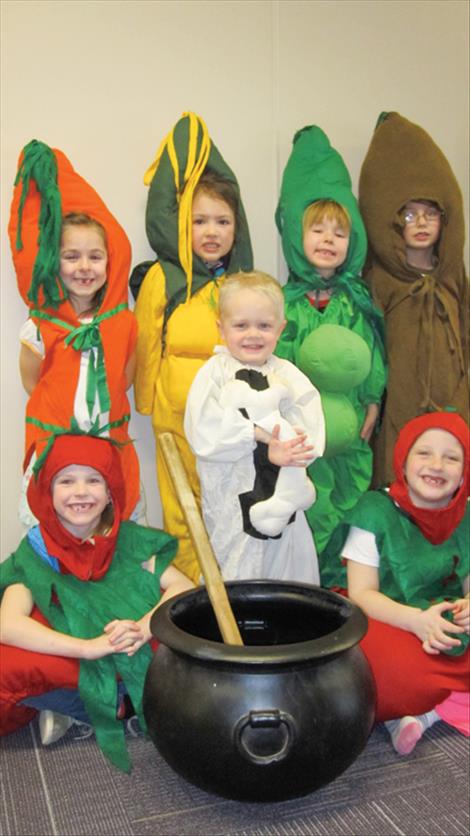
(408, 568)
(78, 594)
(197, 226)
(324, 244)
(72, 262)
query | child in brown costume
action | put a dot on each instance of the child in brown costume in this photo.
(412, 208)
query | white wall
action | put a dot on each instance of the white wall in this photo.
(105, 81)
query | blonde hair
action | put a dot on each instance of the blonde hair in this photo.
(255, 281)
(106, 521)
(326, 210)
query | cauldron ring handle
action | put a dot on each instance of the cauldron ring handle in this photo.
(272, 718)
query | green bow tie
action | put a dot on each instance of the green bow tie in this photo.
(86, 337)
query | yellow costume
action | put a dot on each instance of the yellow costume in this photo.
(176, 306)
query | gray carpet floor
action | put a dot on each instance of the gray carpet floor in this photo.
(68, 788)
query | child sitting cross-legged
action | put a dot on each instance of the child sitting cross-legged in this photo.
(408, 568)
(78, 596)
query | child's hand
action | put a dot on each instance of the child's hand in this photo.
(117, 637)
(461, 613)
(125, 636)
(98, 648)
(433, 629)
(369, 421)
(293, 453)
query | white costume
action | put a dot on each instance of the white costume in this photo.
(220, 418)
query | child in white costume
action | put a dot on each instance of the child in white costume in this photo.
(255, 422)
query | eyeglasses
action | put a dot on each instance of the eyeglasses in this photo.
(431, 215)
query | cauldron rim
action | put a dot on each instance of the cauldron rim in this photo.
(346, 636)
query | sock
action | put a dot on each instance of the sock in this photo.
(427, 720)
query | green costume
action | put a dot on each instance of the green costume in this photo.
(315, 171)
(82, 608)
(413, 570)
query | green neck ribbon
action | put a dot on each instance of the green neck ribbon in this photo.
(86, 337)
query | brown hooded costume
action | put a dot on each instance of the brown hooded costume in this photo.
(426, 314)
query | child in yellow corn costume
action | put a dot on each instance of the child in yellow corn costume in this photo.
(196, 225)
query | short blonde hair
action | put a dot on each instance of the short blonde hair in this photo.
(256, 281)
(326, 210)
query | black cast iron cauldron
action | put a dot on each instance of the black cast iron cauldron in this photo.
(272, 720)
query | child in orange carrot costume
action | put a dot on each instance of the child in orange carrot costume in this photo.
(72, 262)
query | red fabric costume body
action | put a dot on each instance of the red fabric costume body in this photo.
(408, 680)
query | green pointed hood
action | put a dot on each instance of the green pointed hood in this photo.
(185, 154)
(315, 171)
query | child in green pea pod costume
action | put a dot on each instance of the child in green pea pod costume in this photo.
(324, 244)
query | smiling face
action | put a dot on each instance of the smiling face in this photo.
(79, 496)
(434, 468)
(83, 263)
(250, 326)
(326, 245)
(213, 227)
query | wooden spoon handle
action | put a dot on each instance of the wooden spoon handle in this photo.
(207, 560)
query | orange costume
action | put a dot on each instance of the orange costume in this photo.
(46, 189)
